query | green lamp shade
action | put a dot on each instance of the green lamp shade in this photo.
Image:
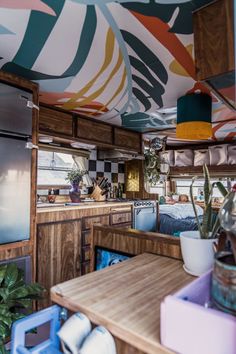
(194, 117)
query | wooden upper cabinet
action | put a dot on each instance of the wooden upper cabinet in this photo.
(94, 131)
(55, 122)
(213, 27)
(127, 139)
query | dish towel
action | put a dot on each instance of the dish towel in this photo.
(99, 341)
(73, 333)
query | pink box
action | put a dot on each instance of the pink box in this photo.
(188, 326)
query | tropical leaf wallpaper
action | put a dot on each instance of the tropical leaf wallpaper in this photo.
(118, 61)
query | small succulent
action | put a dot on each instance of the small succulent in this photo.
(16, 299)
(75, 175)
(209, 226)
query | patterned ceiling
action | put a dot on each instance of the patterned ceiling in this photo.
(118, 61)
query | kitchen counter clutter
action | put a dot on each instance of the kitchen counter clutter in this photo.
(127, 299)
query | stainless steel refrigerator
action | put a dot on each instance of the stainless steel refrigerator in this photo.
(15, 163)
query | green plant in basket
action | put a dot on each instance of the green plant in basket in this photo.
(210, 225)
(75, 175)
(16, 299)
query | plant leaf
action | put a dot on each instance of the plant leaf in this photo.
(194, 207)
(11, 274)
(6, 320)
(2, 272)
(4, 293)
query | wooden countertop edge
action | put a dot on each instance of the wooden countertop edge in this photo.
(130, 337)
(88, 205)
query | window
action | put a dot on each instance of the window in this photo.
(53, 168)
(183, 186)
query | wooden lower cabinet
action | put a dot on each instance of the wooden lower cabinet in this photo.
(63, 247)
(58, 254)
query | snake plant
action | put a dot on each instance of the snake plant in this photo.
(16, 299)
(208, 228)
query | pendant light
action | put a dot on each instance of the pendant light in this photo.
(194, 116)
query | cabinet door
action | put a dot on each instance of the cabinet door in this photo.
(214, 39)
(55, 122)
(94, 131)
(58, 254)
(128, 139)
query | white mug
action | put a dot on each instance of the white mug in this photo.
(99, 341)
(73, 333)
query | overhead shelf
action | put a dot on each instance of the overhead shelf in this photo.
(221, 170)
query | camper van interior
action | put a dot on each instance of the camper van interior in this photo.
(117, 176)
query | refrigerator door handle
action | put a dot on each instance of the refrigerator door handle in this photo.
(29, 103)
(32, 105)
(29, 145)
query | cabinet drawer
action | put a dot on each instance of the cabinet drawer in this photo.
(85, 268)
(86, 237)
(88, 222)
(86, 253)
(120, 218)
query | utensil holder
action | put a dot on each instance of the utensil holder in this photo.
(97, 194)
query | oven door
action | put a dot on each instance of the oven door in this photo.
(145, 218)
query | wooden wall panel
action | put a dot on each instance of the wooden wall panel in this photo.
(58, 249)
(134, 242)
(214, 39)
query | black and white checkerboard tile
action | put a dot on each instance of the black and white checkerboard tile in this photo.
(114, 171)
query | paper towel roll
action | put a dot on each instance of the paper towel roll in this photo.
(99, 341)
(73, 333)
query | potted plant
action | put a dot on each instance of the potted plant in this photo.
(16, 299)
(151, 166)
(197, 246)
(75, 177)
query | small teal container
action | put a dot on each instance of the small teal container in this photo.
(223, 286)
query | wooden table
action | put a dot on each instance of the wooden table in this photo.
(125, 298)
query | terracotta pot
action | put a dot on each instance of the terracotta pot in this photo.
(223, 286)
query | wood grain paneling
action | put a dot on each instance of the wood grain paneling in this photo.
(86, 253)
(58, 247)
(89, 221)
(127, 298)
(134, 242)
(86, 238)
(94, 131)
(128, 139)
(60, 213)
(119, 218)
(85, 268)
(55, 122)
(213, 27)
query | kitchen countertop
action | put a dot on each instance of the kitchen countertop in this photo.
(57, 213)
(126, 298)
(82, 205)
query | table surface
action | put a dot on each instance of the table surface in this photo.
(126, 297)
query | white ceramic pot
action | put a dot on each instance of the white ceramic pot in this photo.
(198, 254)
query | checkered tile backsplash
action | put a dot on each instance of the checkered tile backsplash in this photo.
(114, 171)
